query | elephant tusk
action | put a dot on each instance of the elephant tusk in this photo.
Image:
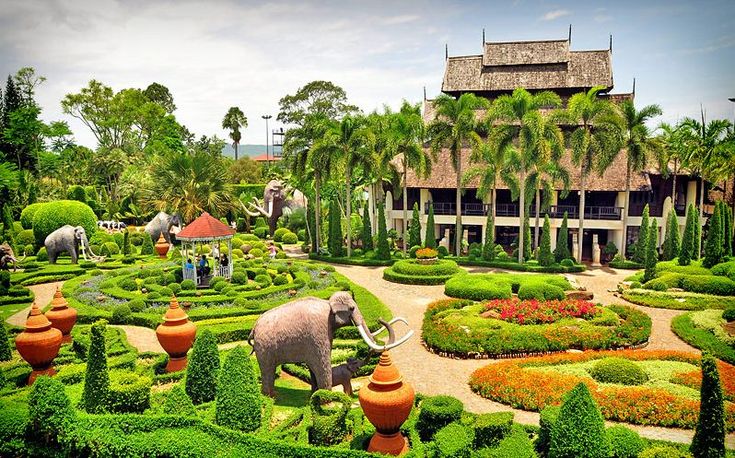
(382, 348)
(393, 321)
(391, 332)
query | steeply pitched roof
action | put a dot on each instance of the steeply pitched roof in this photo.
(205, 227)
(525, 52)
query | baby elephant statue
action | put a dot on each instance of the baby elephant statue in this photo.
(343, 374)
(301, 331)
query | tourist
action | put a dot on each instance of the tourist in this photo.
(272, 250)
(223, 260)
(203, 266)
(189, 265)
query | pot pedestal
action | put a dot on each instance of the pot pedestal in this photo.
(176, 364)
(389, 444)
(50, 371)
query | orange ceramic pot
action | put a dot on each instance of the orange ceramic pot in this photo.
(61, 316)
(176, 336)
(38, 344)
(387, 401)
(161, 246)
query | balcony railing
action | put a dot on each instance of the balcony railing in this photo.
(592, 212)
(449, 208)
(511, 210)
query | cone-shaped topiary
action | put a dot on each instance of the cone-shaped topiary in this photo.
(147, 247)
(709, 437)
(672, 243)
(383, 248)
(686, 251)
(430, 240)
(414, 231)
(545, 256)
(367, 230)
(713, 246)
(96, 378)
(126, 243)
(335, 229)
(49, 409)
(561, 252)
(488, 249)
(579, 431)
(178, 403)
(727, 211)
(652, 251)
(203, 368)
(6, 353)
(641, 249)
(238, 397)
(697, 236)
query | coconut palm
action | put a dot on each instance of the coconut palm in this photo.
(594, 143)
(673, 152)
(546, 176)
(455, 127)
(234, 120)
(407, 135)
(384, 169)
(528, 137)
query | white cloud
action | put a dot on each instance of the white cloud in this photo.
(555, 14)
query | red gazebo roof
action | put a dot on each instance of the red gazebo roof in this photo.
(206, 227)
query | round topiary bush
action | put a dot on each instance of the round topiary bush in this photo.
(129, 392)
(454, 440)
(437, 412)
(301, 234)
(567, 262)
(109, 249)
(137, 305)
(42, 256)
(290, 238)
(188, 285)
(263, 280)
(153, 295)
(28, 213)
(261, 232)
(618, 370)
(540, 291)
(174, 287)
(120, 314)
(53, 215)
(256, 253)
(280, 280)
(279, 233)
(624, 442)
(128, 284)
(25, 237)
(635, 285)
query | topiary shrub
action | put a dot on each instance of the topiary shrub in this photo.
(548, 417)
(280, 280)
(579, 430)
(454, 441)
(709, 436)
(624, 442)
(437, 412)
(540, 291)
(708, 284)
(178, 403)
(129, 392)
(6, 353)
(49, 410)
(55, 214)
(238, 396)
(28, 213)
(491, 428)
(109, 249)
(96, 377)
(146, 248)
(121, 314)
(202, 370)
(635, 284)
(239, 278)
(261, 232)
(290, 238)
(278, 234)
(188, 285)
(264, 280)
(42, 255)
(663, 451)
(329, 426)
(729, 314)
(618, 370)
(25, 237)
(137, 305)
(174, 287)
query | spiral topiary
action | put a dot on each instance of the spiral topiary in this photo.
(56, 214)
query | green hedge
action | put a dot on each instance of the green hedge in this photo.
(391, 275)
(55, 214)
(129, 392)
(702, 339)
(480, 287)
(671, 300)
(437, 412)
(618, 370)
(512, 265)
(354, 261)
(28, 213)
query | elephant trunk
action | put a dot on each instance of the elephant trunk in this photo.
(85, 247)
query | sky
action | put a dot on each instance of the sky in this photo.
(216, 54)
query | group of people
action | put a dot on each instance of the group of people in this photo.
(202, 264)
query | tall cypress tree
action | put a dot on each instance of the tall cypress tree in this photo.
(11, 102)
(383, 248)
(545, 256)
(642, 245)
(709, 436)
(672, 243)
(414, 231)
(727, 231)
(561, 252)
(697, 236)
(203, 368)
(713, 247)
(367, 229)
(488, 249)
(335, 229)
(652, 251)
(686, 252)
(430, 240)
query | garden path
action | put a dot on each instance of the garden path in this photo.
(143, 339)
(44, 293)
(432, 374)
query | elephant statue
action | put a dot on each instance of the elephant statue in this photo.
(301, 331)
(277, 202)
(70, 239)
(165, 224)
(344, 373)
(7, 257)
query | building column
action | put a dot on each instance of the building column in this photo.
(692, 193)
(424, 198)
(554, 234)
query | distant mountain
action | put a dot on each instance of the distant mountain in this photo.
(247, 150)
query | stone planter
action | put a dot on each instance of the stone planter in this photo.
(387, 401)
(176, 336)
(61, 316)
(426, 261)
(38, 344)
(161, 247)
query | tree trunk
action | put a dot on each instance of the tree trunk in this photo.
(317, 212)
(348, 211)
(235, 151)
(580, 234)
(458, 209)
(492, 213)
(701, 200)
(521, 215)
(626, 210)
(538, 210)
(673, 185)
(405, 206)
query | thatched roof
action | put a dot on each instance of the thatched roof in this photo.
(444, 176)
(534, 65)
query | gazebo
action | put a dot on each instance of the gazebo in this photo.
(201, 231)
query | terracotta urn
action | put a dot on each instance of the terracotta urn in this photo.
(38, 344)
(387, 401)
(61, 316)
(161, 247)
(176, 335)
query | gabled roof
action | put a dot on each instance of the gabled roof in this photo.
(205, 227)
(525, 52)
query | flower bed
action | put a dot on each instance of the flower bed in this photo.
(699, 329)
(677, 300)
(529, 385)
(456, 328)
(417, 272)
(539, 312)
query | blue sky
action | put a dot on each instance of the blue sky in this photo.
(213, 55)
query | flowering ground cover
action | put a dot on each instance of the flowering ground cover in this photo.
(534, 311)
(669, 397)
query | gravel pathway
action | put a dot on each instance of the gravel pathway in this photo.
(143, 339)
(44, 293)
(432, 374)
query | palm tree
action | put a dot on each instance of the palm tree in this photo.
(455, 127)
(234, 120)
(640, 147)
(384, 169)
(318, 163)
(527, 137)
(407, 135)
(546, 176)
(594, 143)
(672, 151)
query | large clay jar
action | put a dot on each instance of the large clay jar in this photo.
(61, 316)
(39, 344)
(387, 401)
(176, 336)
(161, 247)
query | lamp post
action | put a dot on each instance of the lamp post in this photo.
(267, 158)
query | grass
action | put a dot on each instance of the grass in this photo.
(677, 300)
(703, 339)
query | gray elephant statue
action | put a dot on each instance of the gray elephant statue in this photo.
(276, 203)
(71, 239)
(7, 257)
(344, 373)
(165, 224)
(301, 331)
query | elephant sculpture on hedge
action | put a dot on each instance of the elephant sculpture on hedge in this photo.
(276, 203)
(73, 240)
(301, 331)
(7, 257)
(165, 224)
